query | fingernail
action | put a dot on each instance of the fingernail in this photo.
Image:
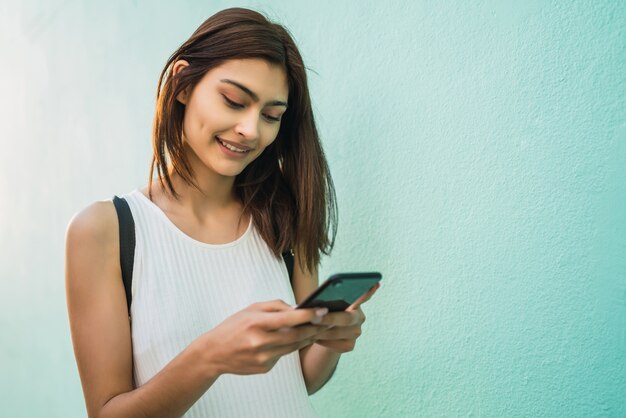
(321, 312)
(316, 320)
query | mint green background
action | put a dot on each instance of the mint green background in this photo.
(479, 155)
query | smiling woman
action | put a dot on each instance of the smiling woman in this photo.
(217, 104)
(241, 178)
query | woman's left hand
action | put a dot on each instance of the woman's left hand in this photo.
(345, 326)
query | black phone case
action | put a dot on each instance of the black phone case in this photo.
(341, 290)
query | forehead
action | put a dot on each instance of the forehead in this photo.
(267, 80)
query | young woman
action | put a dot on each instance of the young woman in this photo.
(241, 178)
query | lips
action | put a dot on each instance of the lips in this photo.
(234, 144)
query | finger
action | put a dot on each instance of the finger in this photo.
(287, 336)
(288, 348)
(305, 334)
(371, 292)
(339, 333)
(340, 346)
(277, 305)
(364, 298)
(292, 317)
(341, 319)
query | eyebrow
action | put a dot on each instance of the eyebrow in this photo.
(252, 94)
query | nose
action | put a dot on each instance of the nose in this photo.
(248, 126)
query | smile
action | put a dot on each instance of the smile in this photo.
(231, 147)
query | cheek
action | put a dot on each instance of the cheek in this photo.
(267, 140)
(202, 118)
(261, 149)
(192, 123)
(269, 134)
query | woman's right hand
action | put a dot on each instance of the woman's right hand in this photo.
(252, 340)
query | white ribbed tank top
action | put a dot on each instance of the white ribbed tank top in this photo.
(183, 288)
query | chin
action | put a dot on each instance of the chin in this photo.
(228, 170)
(231, 173)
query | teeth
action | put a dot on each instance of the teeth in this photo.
(230, 147)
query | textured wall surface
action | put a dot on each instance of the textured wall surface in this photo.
(479, 156)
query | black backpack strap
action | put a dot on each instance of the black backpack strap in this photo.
(288, 257)
(127, 244)
(127, 247)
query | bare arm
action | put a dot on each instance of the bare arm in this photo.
(101, 330)
(318, 363)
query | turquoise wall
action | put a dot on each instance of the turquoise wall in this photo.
(479, 155)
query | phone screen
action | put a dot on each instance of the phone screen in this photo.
(341, 290)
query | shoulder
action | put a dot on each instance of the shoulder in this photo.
(97, 217)
(91, 240)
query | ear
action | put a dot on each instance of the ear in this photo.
(179, 65)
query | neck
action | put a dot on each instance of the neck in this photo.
(216, 192)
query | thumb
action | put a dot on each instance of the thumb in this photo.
(364, 298)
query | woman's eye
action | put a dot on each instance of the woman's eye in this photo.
(236, 105)
(272, 118)
(231, 103)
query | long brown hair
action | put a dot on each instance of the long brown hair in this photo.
(288, 189)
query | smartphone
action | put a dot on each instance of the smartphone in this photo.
(340, 291)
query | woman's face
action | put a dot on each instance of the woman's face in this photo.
(233, 114)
